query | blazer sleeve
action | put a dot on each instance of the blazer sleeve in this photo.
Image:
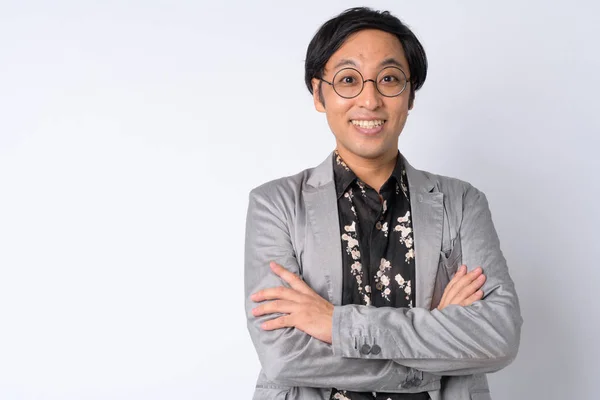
(289, 356)
(480, 338)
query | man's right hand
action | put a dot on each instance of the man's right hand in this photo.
(464, 289)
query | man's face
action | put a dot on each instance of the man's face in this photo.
(368, 51)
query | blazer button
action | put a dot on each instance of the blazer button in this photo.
(375, 349)
(365, 349)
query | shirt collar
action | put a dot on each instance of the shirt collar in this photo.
(344, 176)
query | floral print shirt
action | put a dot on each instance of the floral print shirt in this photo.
(378, 257)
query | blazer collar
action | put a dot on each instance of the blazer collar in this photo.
(322, 174)
(417, 180)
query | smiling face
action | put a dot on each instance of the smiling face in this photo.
(367, 126)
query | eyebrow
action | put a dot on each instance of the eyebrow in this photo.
(344, 62)
(391, 61)
(385, 63)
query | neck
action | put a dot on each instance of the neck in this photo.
(372, 171)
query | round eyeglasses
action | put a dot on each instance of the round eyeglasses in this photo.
(349, 83)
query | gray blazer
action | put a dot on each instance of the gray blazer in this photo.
(294, 222)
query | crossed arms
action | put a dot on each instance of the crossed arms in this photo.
(456, 340)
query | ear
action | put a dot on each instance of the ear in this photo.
(318, 95)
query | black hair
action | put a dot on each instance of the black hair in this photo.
(333, 33)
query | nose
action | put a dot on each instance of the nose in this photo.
(370, 98)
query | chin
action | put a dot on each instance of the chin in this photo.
(371, 152)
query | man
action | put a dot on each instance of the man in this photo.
(364, 276)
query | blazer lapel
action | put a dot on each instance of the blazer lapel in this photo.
(324, 228)
(427, 208)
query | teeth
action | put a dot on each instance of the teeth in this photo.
(368, 124)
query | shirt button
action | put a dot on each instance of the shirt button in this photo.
(378, 225)
(365, 349)
(375, 349)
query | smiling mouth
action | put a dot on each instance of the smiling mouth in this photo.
(368, 124)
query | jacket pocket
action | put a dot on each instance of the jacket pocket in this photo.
(452, 258)
(448, 264)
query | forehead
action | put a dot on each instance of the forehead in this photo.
(368, 49)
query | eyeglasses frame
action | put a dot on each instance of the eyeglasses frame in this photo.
(367, 80)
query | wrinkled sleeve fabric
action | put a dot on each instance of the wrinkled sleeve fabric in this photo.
(480, 338)
(289, 356)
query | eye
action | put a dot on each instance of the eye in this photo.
(389, 79)
(347, 80)
(348, 77)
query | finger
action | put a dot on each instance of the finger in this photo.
(470, 289)
(478, 295)
(459, 273)
(279, 292)
(462, 270)
(285, 321)
(292, 279)
(277, 306)
(463, 281)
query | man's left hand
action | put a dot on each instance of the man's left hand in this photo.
(304, 308)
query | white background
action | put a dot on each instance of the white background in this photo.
(132, 132)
